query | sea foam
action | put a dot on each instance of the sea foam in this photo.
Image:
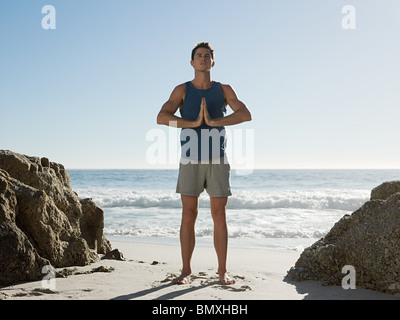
(324, 199)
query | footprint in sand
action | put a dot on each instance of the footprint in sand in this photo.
(228, 288)
(34, 292)
(169, 278)
(205, 280)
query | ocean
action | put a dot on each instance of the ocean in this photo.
(269, 209)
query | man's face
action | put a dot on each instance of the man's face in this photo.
(202, 60)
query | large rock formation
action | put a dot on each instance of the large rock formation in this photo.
(43, 221)
(368, 240)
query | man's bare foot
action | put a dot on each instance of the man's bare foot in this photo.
(182, 279)
(225, 279)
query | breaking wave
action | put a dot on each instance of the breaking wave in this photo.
(324, 199)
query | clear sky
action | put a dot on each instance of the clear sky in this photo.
(87, 93)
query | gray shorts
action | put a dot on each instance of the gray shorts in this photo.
(195, 177)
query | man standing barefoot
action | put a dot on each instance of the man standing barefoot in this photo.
(202, 105)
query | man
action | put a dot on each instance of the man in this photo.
(202, 104)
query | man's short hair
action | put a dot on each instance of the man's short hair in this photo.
(203, 45)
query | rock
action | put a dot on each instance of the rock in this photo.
(66, 272)
(385, 190)
(92, 224)
(114, 255)
(102, 269)
(45, 162)
(19, 260)
(42, 220)
(3, 184)
(368, 240)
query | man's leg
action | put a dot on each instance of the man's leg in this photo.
(218, 212)
(187, 236)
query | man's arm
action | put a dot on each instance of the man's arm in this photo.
(240, 112)
(167, 117)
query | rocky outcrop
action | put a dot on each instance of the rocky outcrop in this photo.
(385, 190)
(43, 221)
(368, 240)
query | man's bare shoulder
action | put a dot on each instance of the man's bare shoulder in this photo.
(225, 86)
(179, 91)
(228, 91)
(180, 87)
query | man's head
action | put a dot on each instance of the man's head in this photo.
(203, 45)
(202, 57)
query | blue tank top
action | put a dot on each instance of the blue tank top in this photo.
(204, 142)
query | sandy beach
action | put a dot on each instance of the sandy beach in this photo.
(148, 269)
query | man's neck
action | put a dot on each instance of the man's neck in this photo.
(202, 80)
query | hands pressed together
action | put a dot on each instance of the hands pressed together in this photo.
(204, 116)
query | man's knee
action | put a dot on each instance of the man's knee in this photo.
(219, 216)
(189, 215)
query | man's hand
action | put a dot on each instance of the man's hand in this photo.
(207, 119)
(200, 119)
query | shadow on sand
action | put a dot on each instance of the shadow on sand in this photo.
(315, 291)
(167, 296)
